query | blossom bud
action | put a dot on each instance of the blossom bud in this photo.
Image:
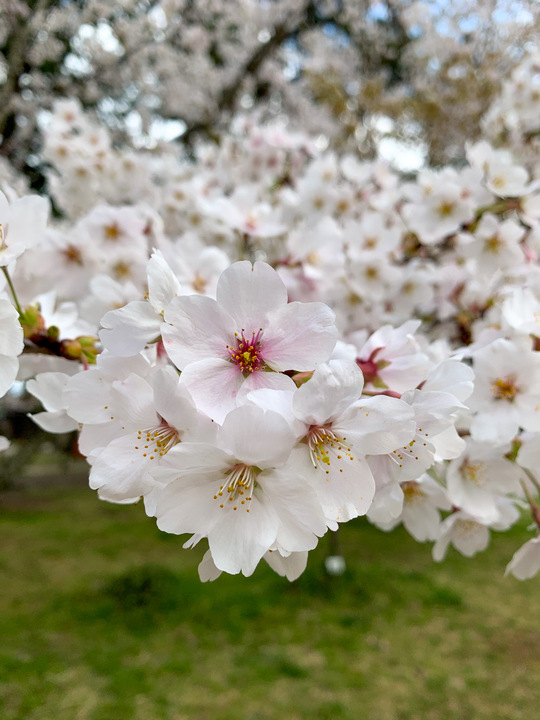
(88, 346)
(71, 349)
(32, 321)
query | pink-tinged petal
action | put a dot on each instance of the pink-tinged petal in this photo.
(171, 399)
(291, 566)
(404, 462)
(128, 330)
(299, 336)
(452, 377)
(257, 437)
(249, 293)
(423, 522)
(213, 384)
(239, 540)
(196, 328)
(333, 387)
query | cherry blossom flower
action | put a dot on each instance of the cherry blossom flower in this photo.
(507, 391)
(478, 477)
(245, 339)
(239, 493)
(420, 503)
(155, 414)
(337, 427)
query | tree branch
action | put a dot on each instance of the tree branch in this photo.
(227, 98)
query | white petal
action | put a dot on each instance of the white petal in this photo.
(207, 568)
(239, 540)
(128, 330)
(48, 388)
(257, 437)
(291, 566)
(333, 387)
(11, 332)
(54, 422)
(163, 285)
(378, 425)
(8, 372)
(525, 562)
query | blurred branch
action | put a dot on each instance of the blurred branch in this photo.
(226, 101)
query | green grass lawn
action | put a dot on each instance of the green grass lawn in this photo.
(102, 617)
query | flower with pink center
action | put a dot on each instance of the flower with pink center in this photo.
(245, 339)
(246, 353)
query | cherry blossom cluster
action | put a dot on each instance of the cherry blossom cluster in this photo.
(272, 339)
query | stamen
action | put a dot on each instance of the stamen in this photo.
(412, 492)
(240, 483)
(322, 441)
(504, 388)
(247, 353)
(159, 440)
(475, 473)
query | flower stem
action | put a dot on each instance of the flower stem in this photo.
(15, 299)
